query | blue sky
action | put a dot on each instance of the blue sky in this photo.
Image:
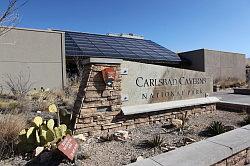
(179, 25)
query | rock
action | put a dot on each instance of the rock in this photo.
(80, 137)
(38, 150)
(168, 148)
(188, 139)
(230, 127)
(168, 125)
(121, 135)
(80, 156)
(46, 156)
(177, 122)
(139, 158)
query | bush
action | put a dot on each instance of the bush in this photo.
(11, 125)
(228, 83)
(155, 142)
(247, 120)
(8, 105)
(216, 128)
(19, 85)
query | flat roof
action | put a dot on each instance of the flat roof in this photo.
(205, 49)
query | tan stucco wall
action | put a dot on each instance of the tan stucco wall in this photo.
(247, 61)
(224, 65)
(220, 65)
(38, 52)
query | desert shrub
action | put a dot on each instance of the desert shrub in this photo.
(247, 120)
(8, 105)
(107, 138)
(86, 155)
(215, 128)
(42, 99)
(3, 105)
(228, 83)
(19, 85)
(11, 125)
(1, 90)
(13, 105)
(156, 142)
(133, 159)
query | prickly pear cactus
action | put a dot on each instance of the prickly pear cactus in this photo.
(42, 133)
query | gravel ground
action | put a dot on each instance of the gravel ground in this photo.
(120, 153)
(116, 153)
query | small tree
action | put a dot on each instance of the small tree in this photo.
(79, 67)
(10, 17)
(19, 85)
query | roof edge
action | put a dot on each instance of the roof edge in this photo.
(206, 49)
(31, 29)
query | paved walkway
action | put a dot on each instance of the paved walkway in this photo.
(228, 96)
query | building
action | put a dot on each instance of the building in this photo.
(38, 55)
(44, 56)
(221, 65)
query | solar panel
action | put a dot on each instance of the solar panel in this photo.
(93, 45)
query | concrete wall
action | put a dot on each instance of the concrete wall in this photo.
(146, 83)
(247, 61)
(196, 59)
(221, 65)
(224, 65)
(37, 53)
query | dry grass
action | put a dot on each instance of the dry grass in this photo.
(8, 104)
(39, 100)
(229, 83)
(42, 100)
(11, 125)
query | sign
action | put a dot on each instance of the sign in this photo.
(147, 83)
(68, 146)
(109, 75)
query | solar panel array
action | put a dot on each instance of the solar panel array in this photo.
(93, 45)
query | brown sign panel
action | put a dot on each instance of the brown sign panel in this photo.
(68, 146)
(109, 75)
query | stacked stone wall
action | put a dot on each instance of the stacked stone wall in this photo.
(239, 159)
(91, 122)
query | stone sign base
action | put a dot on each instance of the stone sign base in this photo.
(103, 95)
(91, 122)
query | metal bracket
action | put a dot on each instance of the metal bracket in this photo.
(124, 71)
(124, 97)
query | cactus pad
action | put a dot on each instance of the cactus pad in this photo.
(23, 132)
(38, 121)
(63, 129)
(30, 132)
(50, 124)
(52, 108)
